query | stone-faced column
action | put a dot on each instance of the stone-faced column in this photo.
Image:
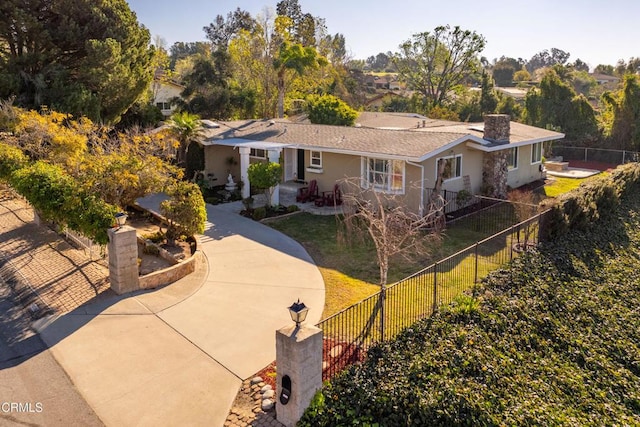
(299, 366)
(494, 174)
(123, 259)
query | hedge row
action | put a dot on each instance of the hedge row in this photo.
(594, 199)
(554, 339)
(56, 195)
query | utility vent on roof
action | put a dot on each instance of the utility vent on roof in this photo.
(209, 124)
(477, 128)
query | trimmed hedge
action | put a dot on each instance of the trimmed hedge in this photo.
(597, 198)
(57, 197)
(554, 339)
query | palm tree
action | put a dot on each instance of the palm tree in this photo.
(294, 57)
(186, 128)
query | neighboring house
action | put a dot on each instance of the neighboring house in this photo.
(488, 156)
(604, 78)
(163, 92)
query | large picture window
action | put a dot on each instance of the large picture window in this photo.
(382, 174)
(536, 152)
(512, 158)
(452, 167)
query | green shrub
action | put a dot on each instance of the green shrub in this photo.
(550, 340)
(292, 208)
(583, 207)
(259, 213)
(185, 210)
(11, 159)
(151, 250)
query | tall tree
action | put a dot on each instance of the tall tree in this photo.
(433, 63)
(293, 57)
(622, 116)
(221, 31)
(555, 105)
(78, 56)
(546, 58)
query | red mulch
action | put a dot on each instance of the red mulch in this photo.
(350, 354)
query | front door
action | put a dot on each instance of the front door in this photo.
(290, 164)
(300, 164)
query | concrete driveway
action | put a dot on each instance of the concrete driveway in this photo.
(177, 355)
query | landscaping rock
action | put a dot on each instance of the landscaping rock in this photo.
(265, 388)
(267, 405)
(256, 380)
(268, 394)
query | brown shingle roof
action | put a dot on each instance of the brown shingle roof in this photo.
(411, 144)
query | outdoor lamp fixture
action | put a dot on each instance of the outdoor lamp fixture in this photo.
(121, 218)
(298, 312)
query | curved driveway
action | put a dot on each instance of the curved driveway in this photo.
(177, 355)
(255, 273)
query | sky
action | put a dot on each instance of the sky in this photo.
(597, 32)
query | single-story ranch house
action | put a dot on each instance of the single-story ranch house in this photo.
(395, 153)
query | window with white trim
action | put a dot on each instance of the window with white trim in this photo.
(383, 174)
(536, 152)
(258, 153)
(452, 167)
(316, 160)
(512, 158)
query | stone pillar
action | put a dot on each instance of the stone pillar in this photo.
(494, 174)
(244, 166)
(123, 259)
(299, 357)
(274, 157)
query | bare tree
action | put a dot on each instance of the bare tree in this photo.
(392, 226)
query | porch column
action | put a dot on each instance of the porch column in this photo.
(274, 157)
(244, 166)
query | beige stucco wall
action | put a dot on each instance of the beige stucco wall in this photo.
(526, 171)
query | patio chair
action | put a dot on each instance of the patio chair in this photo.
(308, 194)
(331, 198)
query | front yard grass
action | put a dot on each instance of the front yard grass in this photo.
(350, 271)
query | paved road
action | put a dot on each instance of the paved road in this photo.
(34, 390)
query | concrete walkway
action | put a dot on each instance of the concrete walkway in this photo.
(177, 355)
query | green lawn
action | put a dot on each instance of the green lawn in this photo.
(350, 271)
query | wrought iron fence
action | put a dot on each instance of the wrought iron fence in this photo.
(599, 155)
(349, 333)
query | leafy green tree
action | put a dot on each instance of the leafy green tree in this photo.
(187, 129)
(488, 97)
(265, 176)
(622, 115)
(547, 58)
(81, 57)
(433, 63)
(555, 105)
(184, 210)
(221, 31)
(330, 110)
(293, 57)
(609, 70)
(504, 69)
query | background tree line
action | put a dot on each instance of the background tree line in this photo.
(93, 59)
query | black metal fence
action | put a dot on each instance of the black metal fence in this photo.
(349, 333)
(600, 155)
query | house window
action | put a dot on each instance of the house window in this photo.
(382, 174)
(258, 153)
(163, 105)
(536, 152)
(316, 159)
(452, 167)
(512, 158)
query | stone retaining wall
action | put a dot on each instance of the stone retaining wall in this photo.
(170, 274)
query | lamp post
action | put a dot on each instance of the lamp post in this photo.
(121, 219)
(298, 312)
